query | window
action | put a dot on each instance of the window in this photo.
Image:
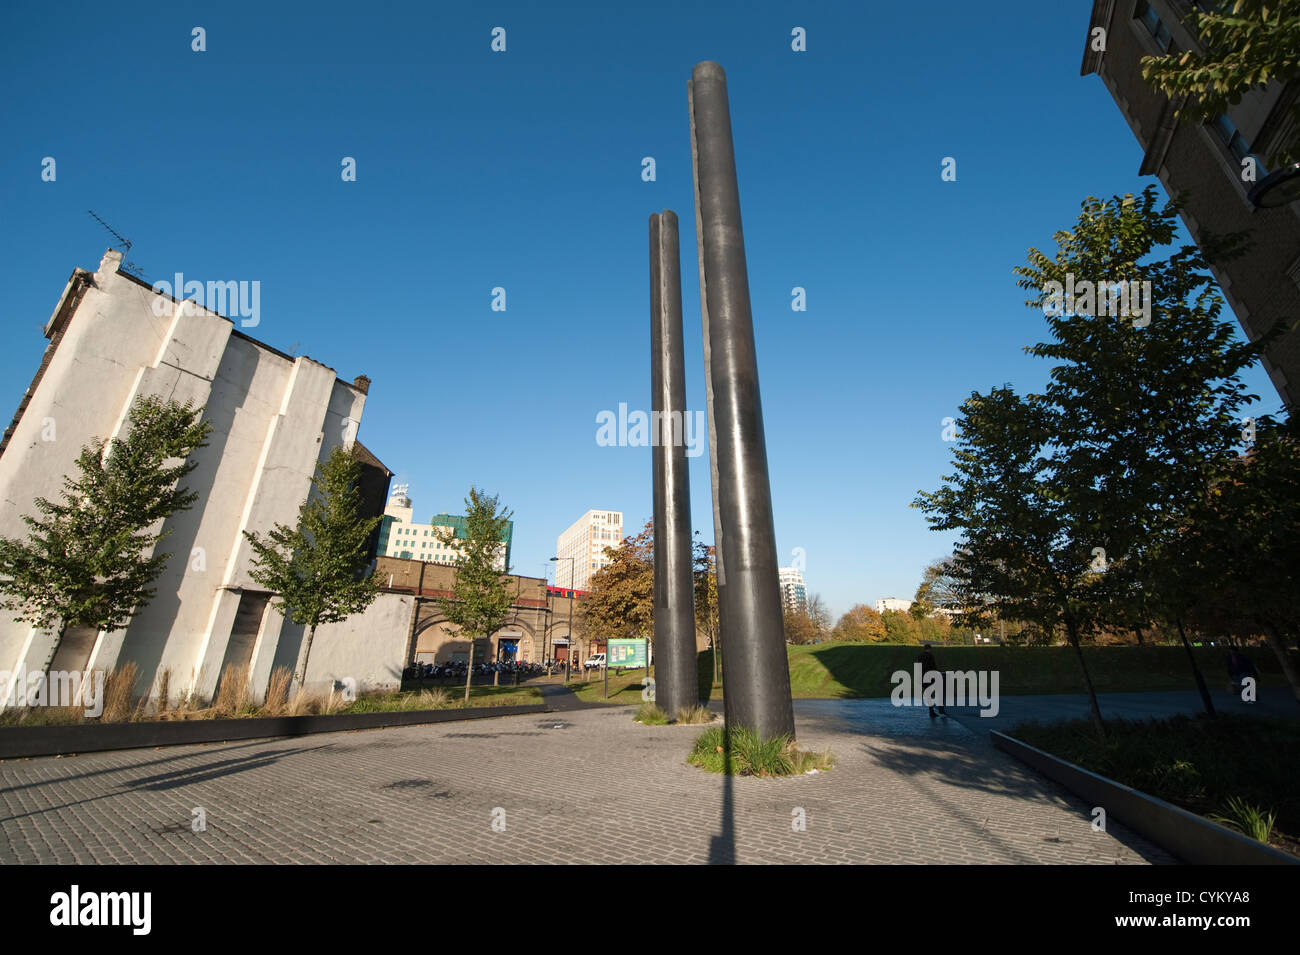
(1236, 143)
(1159, 32)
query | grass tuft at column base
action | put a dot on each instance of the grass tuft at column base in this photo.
(753, 756)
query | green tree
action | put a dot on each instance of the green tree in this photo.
(620, 601)
(862, 623)
(91, 559)
(799, 627)
(1244, 45)
(937, 590)
(900, 626)
(706, 599)
(819, 616)
(1022, 553)
(481, 600)
(1065, 496)
(1143, 414)
(1243, 545)
(317, 568)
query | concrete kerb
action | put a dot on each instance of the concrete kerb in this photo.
(26, 741)
(1186, 835)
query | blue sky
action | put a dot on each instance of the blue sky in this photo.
(522, 170)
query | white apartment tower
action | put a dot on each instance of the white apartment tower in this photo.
(794, 596)
(585, 542)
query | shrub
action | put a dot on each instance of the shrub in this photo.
(742, 752)
(119, 692)
(277, 691)
(651, 715)
(694, 714)
(163, 705)
(1251, 820)
(232, 695)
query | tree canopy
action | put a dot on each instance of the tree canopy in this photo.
(1244, 45)
(91, 558)
(316, 569)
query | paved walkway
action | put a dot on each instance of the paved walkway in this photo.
(1049, 708)
(586, 785)
(558, 696)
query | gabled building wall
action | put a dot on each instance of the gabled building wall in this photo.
(274, 418)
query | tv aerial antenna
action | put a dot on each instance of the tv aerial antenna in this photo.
(123, 242)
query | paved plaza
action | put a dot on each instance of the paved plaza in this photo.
(578, 786)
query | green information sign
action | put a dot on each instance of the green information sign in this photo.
(626, 653)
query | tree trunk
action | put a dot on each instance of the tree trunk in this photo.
(301, 675)
(1138, 631)
(1288, 668)
(1200, 680)
(1072, 633)
(469, 670)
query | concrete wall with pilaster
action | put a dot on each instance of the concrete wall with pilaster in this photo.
(274, 418)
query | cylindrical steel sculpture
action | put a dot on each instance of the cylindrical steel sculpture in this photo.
(674, 612)
(754, 666)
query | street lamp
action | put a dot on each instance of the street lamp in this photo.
(573, 579)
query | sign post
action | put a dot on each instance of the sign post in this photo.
(632, 654)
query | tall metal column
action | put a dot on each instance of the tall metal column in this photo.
(755, 670)
(674, 612)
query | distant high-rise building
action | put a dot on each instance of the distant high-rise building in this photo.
(585, 542)
(400, 537)
(1215, 163)
(794, 596)
(893, 603)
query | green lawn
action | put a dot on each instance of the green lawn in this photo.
(623, 688)
(847, 670)
(626, 687)
(426, 700)
(855, 670)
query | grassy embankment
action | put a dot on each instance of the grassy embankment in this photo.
(861, 670)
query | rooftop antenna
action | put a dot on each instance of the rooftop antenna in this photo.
(122, 241)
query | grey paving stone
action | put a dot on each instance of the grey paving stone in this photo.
(603, 789)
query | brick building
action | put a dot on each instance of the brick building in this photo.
(1207, 161)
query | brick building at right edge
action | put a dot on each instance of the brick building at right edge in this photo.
(1205, 160)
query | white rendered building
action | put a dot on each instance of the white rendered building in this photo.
(112, 338)
(892, 603)
(401, 537)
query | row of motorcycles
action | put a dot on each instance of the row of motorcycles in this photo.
(440, 671)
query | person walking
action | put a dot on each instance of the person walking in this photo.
(1239, 669)
(928, 665)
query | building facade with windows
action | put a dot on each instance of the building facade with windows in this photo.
(581, 548)
(1215, 163)
(401, 537)
(893, 603)
(794, 595)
